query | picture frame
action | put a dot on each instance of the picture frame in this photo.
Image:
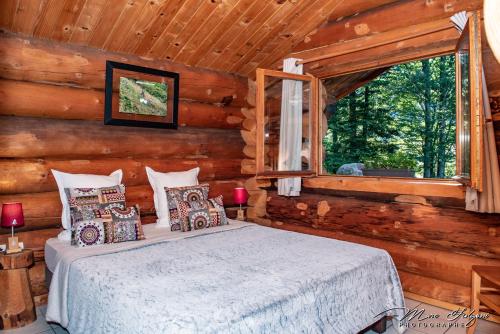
(140, 96)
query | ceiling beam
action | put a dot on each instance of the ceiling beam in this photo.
(385, 18)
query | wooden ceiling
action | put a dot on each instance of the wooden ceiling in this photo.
(228, 35)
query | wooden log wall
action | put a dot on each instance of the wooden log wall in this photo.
(434, 242)
(432, 247)
(51, 116)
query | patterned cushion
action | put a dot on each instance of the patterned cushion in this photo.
(183, 194)
(82, 202)
(89, 233)
(119, 225)
(197, 215)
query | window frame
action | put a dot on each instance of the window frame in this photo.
(451, 188)
(261, 172)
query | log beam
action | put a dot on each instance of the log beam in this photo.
(385, 18)
(28, 99)
(455, 231)
(35, 60)
(26, 137)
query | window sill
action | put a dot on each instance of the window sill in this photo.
(375, 184)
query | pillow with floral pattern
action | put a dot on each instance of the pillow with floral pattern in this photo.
(196, 215)
(183, 194)
(118, 224)
(82, 201)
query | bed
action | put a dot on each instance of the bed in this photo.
(238, 278)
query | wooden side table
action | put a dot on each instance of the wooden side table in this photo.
(17, 307)
(485, 298)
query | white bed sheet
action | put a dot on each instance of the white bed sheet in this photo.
(60, 254)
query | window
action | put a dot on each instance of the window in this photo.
(400, 121)
(286, 127)
(416, 120)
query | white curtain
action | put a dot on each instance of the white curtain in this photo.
(290, 144)
(488, 200)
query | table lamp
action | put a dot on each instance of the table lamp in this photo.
(240, 196)
(12, 216)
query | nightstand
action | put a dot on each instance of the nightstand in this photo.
(17, 307)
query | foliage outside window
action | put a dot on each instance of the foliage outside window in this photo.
(403, 120)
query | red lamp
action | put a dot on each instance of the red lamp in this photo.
(240, 196)
(12, 216)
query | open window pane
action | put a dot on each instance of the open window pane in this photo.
(463, 106)
(394, 121)
(286, 126)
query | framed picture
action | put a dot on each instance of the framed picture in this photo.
(141, 96)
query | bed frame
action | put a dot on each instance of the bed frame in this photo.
(378, 327)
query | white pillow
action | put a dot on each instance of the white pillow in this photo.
(66, 180)
(159, 181)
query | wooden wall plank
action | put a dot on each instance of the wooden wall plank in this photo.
(48, 215)
(84, 67)
(36, 138)
(20, 176)
(447, 229)
(27, 99)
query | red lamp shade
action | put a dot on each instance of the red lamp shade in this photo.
(12, 215)
(240, 195)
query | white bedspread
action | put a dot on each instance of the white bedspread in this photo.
(61, 254)
(239, 278)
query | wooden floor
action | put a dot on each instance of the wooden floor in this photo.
(484, 327)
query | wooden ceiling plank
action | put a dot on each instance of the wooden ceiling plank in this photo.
(176, 25)
(163, 18)
(48, 18)
(27, 15)
(66, 22)
(141, 25)
(438, 43)
(198, 36)
(122, 30)
(229, 54)
(295, 32)
(244, 22)
(87, 21)
(8, 10)
(268, 31)
(198, 20)
(110, 15)
(354, 7)
(223, 25)
(388, 17)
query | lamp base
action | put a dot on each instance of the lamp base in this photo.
(13, 246)
(241, 215)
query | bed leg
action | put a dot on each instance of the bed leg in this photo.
(380, 326)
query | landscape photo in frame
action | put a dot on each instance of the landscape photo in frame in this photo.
(140, 96)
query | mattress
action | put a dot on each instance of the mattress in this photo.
(240, 279)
